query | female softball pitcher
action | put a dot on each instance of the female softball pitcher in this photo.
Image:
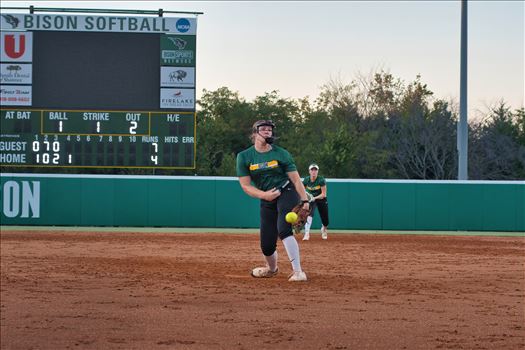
(268, 172)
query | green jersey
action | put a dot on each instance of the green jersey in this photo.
(266, 170)
(314, 187)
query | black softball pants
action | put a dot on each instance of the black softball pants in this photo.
(273, 223)
(322, 206)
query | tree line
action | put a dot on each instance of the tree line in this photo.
(376, 127)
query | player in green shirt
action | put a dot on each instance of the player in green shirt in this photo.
(316, 186)
(268, 172)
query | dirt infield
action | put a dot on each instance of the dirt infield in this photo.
(85, 290)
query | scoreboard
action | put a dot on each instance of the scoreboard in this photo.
(97, 91)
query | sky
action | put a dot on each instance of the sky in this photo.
(294, 47)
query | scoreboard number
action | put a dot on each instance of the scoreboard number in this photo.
(132, 128)
(155, 157)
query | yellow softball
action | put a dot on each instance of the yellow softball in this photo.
(291, 217)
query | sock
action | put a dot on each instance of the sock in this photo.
(292, 248)
(272, 261)
(307, 225)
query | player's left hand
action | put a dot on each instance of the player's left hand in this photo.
(302, 210)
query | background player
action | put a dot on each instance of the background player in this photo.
(316, 186)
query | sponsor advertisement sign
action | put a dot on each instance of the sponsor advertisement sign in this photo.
(15, 95)
(177, 77)
(72, 23)
(16, 46)
(177, 98)
(177, 50)
(15, 73)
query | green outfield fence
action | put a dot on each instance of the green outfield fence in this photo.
(184, 201)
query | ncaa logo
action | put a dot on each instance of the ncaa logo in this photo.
(17, 47)
(183, 25)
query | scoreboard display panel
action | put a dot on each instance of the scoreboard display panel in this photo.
(97, 91)
(97, 139)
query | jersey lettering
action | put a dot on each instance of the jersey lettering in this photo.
(265, 165)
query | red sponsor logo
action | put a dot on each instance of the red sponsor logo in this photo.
(13, 48)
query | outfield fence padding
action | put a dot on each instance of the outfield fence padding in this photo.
(184, 201)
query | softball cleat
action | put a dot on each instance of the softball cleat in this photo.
(324, 233)
(297, 276)
(263, 272)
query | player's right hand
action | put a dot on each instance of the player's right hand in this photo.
(270, 195)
